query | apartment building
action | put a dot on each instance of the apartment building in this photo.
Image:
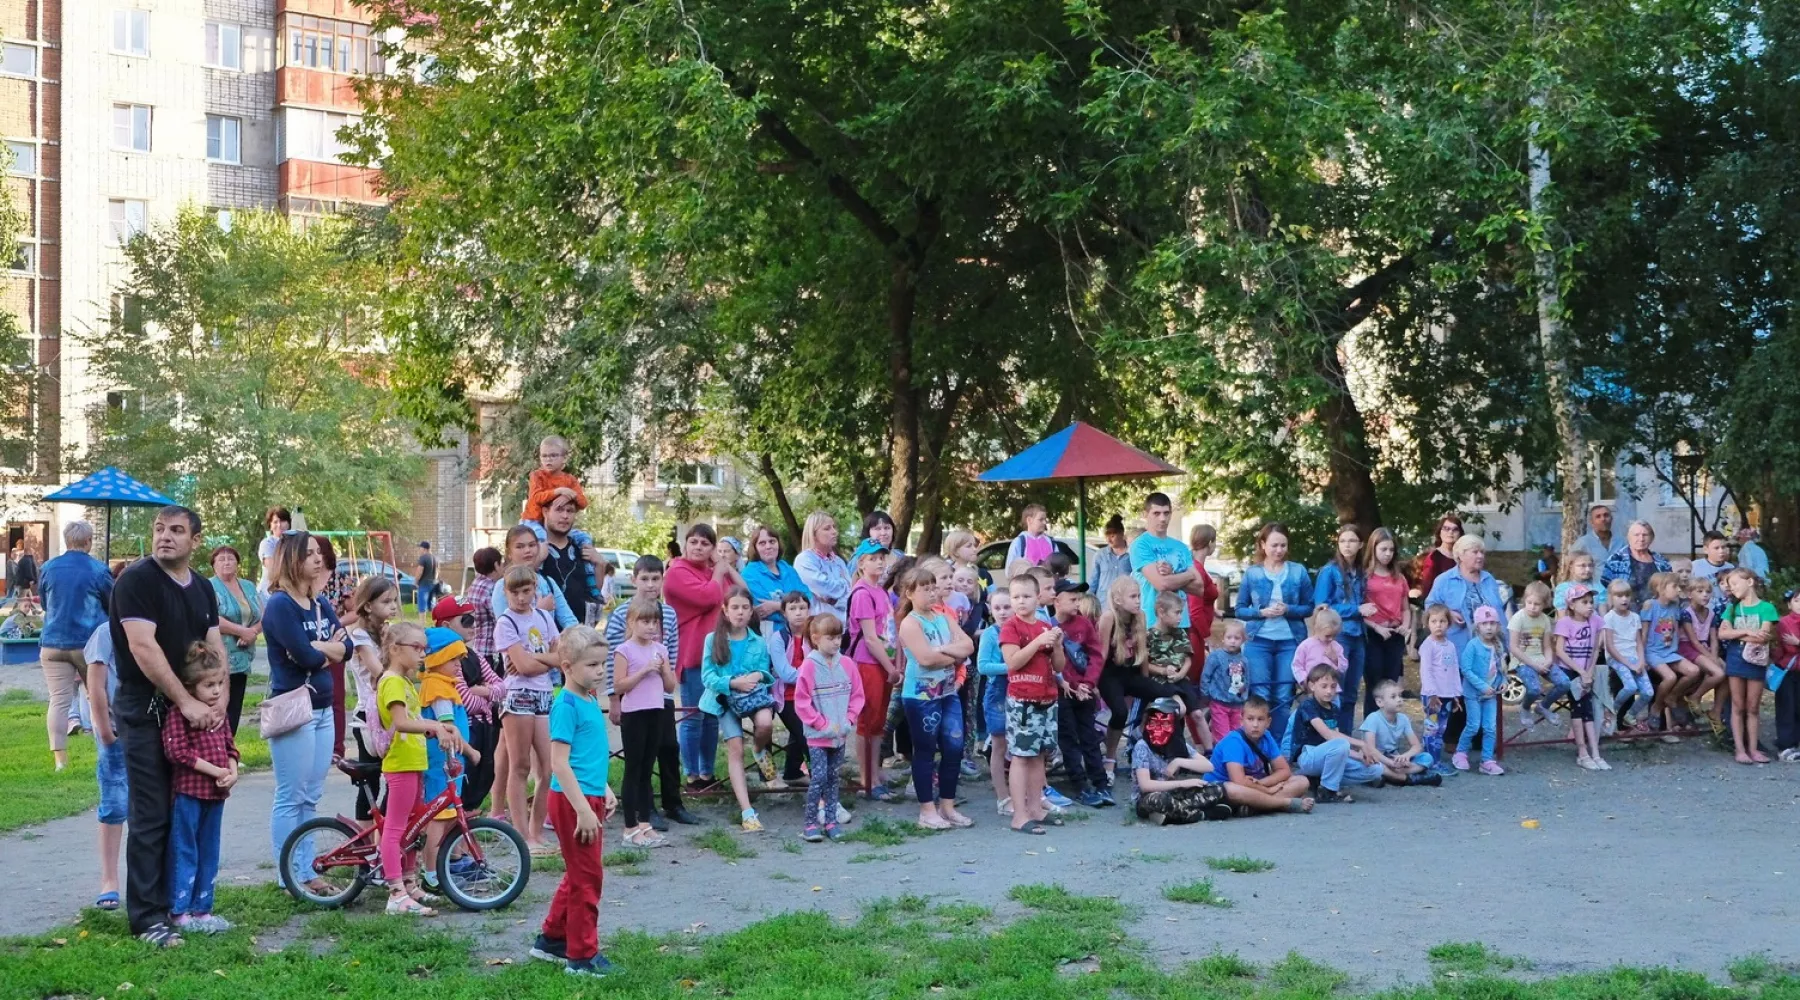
(118, 113)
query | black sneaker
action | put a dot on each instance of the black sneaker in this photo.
(685, 818)
(657, 822)
(546, 949)
(1428, 779)
(597, 966)
(1216, 812)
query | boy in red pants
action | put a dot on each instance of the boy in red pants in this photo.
(580, 801)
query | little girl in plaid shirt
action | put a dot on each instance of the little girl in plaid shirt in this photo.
(205, 766)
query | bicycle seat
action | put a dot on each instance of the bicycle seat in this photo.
(360, 771)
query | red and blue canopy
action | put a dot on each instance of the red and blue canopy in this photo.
(1078, 451)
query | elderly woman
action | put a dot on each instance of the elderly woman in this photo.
(1466, 587)
(240, 622)
(1635, 563)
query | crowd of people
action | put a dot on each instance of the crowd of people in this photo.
(877, 666)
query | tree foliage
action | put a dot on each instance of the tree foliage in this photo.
(248, 376)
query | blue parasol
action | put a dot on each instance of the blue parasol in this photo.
(109, 488)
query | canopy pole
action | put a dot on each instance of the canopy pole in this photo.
(1081, 555)
(109, 533)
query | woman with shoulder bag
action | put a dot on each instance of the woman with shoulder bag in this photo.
(304, 637)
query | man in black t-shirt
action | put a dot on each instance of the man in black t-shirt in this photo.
(425, 594)
(159, 606)
(566, 562)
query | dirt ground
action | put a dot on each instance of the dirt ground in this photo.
(1679, 857)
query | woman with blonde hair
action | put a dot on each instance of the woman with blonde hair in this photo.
(824, 572)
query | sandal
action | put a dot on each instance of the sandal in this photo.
(960, 821)
(161, 936)
(1034, 829)
(407, 906)
(107, 901)
(543, 850)
(1053, 819)
(941, 824)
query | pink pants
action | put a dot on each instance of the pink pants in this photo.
(1225, 718)
(402, 797)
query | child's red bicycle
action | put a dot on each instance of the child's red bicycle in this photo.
(482, 864)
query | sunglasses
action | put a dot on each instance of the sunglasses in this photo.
(468, 620)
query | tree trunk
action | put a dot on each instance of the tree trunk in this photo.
(931, 524)
(903, 413)
(1556, 364)
(766, 465)
(1347, 443)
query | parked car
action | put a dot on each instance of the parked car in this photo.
(622, 560)
(350, 571)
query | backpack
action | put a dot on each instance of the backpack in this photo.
(375, 738)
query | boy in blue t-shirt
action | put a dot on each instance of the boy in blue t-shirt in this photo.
(1250, 764)
(580, 801)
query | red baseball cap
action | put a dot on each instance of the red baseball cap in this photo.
(449, 607)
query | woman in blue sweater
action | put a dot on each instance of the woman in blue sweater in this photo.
(1274, 601)
(1341, 587)
(304, 637)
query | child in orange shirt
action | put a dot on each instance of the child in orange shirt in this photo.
(546, 482)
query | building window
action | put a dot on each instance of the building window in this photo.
(22, 158)
(126, 218)
(313, 135)
(224, 45)
(334, 46)
(131, 32)
(18, 60)
(126, 314)
(1602, 485)
(690, 474)
(131, 127)
(24, 259)
(224, 139)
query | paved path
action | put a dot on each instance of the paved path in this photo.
(1679, 857)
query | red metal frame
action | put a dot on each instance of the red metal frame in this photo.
(364, 848)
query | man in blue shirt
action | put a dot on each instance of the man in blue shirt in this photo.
(1751, 555)
(1162, 565)
(77, 589)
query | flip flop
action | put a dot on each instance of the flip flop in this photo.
(1053, 819)
(1034, 829)
(107, 901)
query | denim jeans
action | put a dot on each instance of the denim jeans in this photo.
(937, 745)
(301, 758)
(698, 731)
(194, 828)
(1331, 763)
(1537, 688)
(1632, 685)
(1271, 676)
(115, 788)
(1354, 657)
(1484, 715)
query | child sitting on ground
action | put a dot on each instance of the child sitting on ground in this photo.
(1389, 735)
(204, 766)
(827, 696)
(1440, 685)
(1224, 681)
(1483, 674)
(1254, 771)
(1625, 653)
(1528, 639)
(1158, 759)
(1323, 752)
(1573, 642)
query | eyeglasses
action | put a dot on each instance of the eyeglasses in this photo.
(421, 647)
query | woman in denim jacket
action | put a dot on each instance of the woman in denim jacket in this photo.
(1274, 601)
(1341, 587)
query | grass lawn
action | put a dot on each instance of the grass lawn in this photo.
(32, 792)
(1065, 946)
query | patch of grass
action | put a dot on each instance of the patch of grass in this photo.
(1199, 891)
(1469, 958)
(627, 861)
(782, 877)
(15, 695)
(721, 842)
(1056, 899)
(878, 832)
(791, 846)
(1075, 948)
(1156, 859)
(1751, 969)
(1243, 864)
(32, 791)
(866, 857)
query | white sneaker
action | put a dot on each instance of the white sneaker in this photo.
(1588, 764)
(1604, 766)
(845, 816)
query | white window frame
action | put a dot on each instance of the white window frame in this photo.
(120, 226)
(131, 32)
(129, 125)
(9, 50)
(16, 147)
(1593, 480)
(28, 250)
(225, 46)
(218, 128)
(312, 135)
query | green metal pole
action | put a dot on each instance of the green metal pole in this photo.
(1081, 527)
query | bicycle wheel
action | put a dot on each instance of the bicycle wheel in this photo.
(317, 838)
(497, 879)
(1513, 691)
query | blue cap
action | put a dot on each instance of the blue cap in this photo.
(869, 547)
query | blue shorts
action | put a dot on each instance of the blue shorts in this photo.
(115, 791)
(993, 705)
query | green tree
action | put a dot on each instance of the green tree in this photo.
(248, 375)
